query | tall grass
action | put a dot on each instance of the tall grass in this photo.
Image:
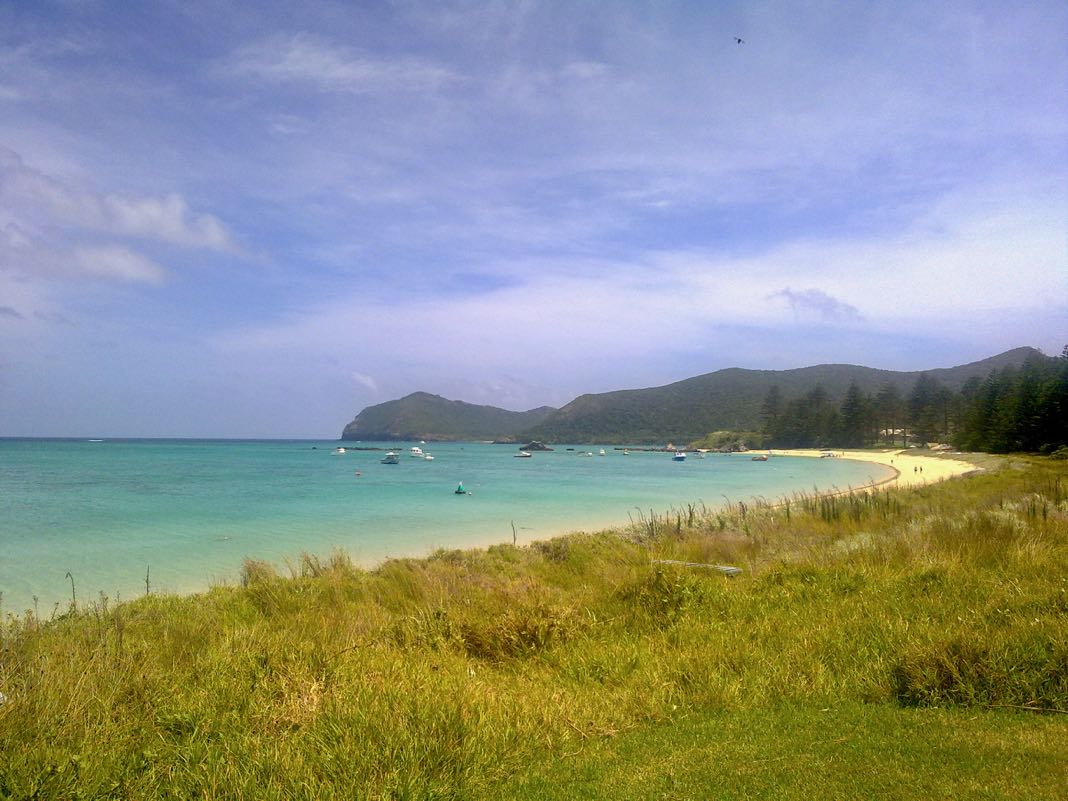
(440, 676)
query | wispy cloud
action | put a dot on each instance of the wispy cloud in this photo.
(7, 311)
(26, 193)
(115, 261)
(365, 381)
(550, 191)
(311, 61)
(818, 302)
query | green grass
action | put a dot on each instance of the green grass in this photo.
(851, 750)
(887, 644)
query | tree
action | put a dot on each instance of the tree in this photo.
(853, 418)
(771, 412)
(888, 410)
(926, 409)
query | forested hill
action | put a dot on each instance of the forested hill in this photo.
(431, 417)
(730, 399)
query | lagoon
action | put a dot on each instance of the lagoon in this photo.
(188, 512)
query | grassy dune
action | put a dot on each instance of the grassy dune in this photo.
(892, 644)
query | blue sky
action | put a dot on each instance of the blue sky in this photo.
(256, 221)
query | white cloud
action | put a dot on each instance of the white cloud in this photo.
(30, 195)
(817, 302)
(582, 323)
(366, 381)
(118, 262)
(305, 59)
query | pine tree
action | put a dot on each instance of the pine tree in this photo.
(771, 413)
(888, 408)
(854, 419)
(926, 407)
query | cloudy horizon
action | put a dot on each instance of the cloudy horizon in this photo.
(228, 222)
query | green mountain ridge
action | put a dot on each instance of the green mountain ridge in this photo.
(422, 416)
(728, 399)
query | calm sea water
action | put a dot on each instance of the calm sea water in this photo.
(190, 511)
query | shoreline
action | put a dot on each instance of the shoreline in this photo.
(904, 467)
(911, 469)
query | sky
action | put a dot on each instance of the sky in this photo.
(253, 220)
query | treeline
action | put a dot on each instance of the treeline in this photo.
(1012, 409)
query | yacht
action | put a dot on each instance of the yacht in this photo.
(391, 458)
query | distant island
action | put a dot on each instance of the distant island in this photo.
(842, 405)
(422, 416)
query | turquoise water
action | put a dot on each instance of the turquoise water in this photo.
(190, 512)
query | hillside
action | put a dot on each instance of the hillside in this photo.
(728, 399)
(432, 417)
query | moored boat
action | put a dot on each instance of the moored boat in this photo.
(391, 458)
(680, 456)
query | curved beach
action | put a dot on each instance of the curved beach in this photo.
(911, 469)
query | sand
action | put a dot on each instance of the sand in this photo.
(913, 468)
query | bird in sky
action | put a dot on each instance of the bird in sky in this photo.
(739, 40)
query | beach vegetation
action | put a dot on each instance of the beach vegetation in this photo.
(884, 643)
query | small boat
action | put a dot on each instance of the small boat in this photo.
(416, 452)
(339, 451)
(391, 458)
(523, 455)
(587, 453)
(602, 453)
(760, 457)
(626, 452)
(680, 456)
(427, 457)
(460, 489)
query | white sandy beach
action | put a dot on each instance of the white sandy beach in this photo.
(913, 469)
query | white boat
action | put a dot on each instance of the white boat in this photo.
(339, 451)
(587, 453)
(523, 455)
(760, 457)
(680, 456)
(602, 452)
(417, 452)
(391, 458)
(626, 451)
(428, 457)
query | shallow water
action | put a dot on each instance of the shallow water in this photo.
(189, 511)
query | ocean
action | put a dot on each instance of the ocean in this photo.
(188, 512)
